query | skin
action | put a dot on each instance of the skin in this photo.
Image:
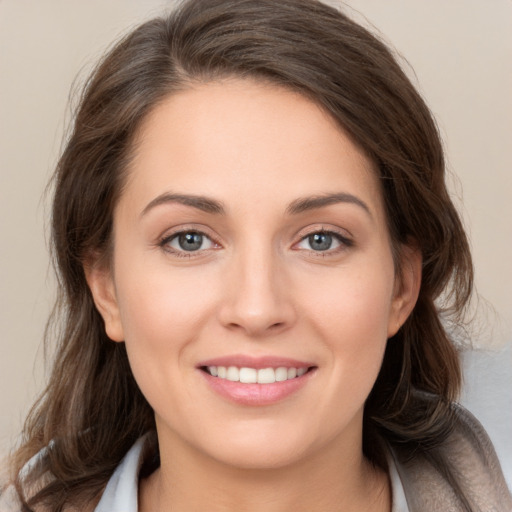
(256, 287)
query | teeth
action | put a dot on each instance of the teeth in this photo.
(253, 376)
(281, 374)
(266, 376)
(248, 375)
(233, 374)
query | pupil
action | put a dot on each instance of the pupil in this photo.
(320, 241)
(191, 241)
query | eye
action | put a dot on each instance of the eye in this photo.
(323, 241)
(188, 241)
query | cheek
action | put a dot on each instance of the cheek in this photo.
(162, 311)
(351, 301)
(351, 312)
(157, 301)
(163, 314)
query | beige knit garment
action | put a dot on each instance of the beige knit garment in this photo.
(474, 465)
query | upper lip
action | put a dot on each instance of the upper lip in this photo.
(244, 361)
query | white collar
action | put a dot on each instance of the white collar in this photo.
(121, 492)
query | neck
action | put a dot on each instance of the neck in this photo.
(331, 480)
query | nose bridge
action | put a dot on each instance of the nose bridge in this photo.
(257, 301)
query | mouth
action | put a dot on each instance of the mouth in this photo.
(256, 381)
(250, 375)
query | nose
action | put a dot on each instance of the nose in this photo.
(257, 298)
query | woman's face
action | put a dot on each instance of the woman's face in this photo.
(250, 243)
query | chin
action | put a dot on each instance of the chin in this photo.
(262, 448)
(250, 457)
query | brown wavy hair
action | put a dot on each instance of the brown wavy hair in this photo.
(92, 410)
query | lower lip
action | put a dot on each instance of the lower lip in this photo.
(256, 394)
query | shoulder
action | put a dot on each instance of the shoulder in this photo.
(119, 495)
(475, 464)
(9, 500)
(463, 473)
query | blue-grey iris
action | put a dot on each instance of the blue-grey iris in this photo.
(320, 241)
(190, 241)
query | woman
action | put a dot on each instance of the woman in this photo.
(251, 229)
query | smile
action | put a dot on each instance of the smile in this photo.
(248, 375)
(256, 381)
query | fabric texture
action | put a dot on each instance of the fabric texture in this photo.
(473, 464)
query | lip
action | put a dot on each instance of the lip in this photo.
(256, 394)
(260, 362)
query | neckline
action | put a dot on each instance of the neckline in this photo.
(121, 492)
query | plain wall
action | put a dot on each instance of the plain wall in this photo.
(461, 53)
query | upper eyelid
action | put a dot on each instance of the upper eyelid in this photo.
(322, 228)
(172, 236)
(167, 237)
(173, 232)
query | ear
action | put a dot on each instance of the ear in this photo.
(101, 283)
(407, 287)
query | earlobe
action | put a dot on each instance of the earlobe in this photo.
(407, 288)
(100, 281)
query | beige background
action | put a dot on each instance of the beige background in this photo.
(461, 52)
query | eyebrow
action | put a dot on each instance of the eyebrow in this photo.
(297, 206)
(202, 203)
(313, 202)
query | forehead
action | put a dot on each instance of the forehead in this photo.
(248, 140)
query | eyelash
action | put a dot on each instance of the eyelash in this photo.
(167, 239)
(164, 242)
(344, 241)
